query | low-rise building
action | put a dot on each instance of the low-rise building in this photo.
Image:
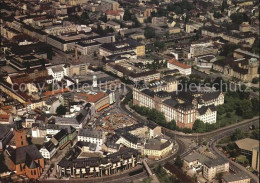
(240, 177)
(183, 68)
(87, 167)
(157, 148)
(48, 150)
(124, 46)
(91, 135)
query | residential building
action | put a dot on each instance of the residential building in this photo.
(213, 167)
(123, 159)
(48, 150)
(109, 5)
(191, 27)
(207, 114)
(157, 148)
(240, 177)
(91, 135)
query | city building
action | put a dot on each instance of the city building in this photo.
(48, 150)
(246, 145)
(127, 45)
(91, 135)
(213, 167)
(157, 148)
(88, 167)
(239, 177)
(183, 68)
(242, 68)
(205, 61)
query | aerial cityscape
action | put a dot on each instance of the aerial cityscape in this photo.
(129, 91)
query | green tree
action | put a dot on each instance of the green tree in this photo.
(238, 18)
(255, 105)
(127, 15)
(238, 134)
(172, 125)
(61, 110)
(149, 33)
(160, 45)
(198, 126)
(245, 109)
(178, 162)
(255, 80)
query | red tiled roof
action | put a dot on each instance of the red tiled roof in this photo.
(179, 64)
(48, 93)
(93, 98)
(4, 117)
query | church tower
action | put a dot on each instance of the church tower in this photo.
(19, 134)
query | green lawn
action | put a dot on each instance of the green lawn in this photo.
(241, 159)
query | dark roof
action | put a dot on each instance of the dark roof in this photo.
(183, 95)
(49, 146)
(129, 44)
(235, 177)
(4, 130)
(151, 125)
(234, 64)
(170, 102)
(215, 162)
(61, 135)
(156, 144)
(162, 94)
(30, 163)
(148, 92)
(204, 109)
(129, 137)
(19, 154)
(185, 106)
(210, 96)
(124, 153)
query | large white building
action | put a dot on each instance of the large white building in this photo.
(57, 72)
(207, 114)
(183, 68)
(92, 136)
